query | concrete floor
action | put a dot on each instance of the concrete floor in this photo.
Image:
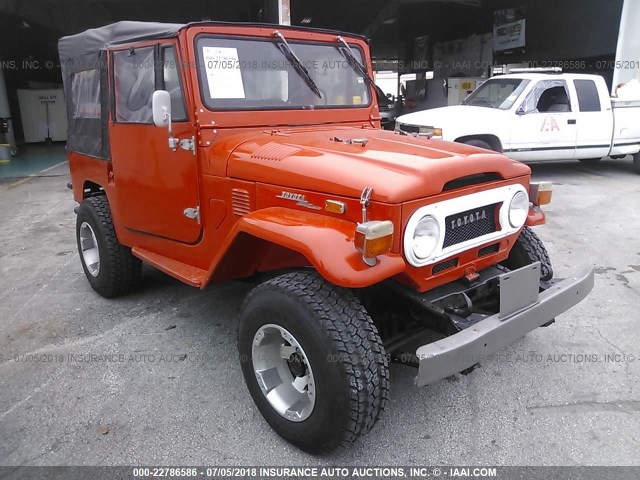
(32, 159)
(190, 406)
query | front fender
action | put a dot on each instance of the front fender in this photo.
(326, 242)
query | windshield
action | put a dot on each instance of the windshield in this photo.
(497, 93)
(255, 74)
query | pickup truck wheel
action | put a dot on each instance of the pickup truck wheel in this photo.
(636, 162)
(527, 250)
(478, 143)
(313, 361)
(109, 266)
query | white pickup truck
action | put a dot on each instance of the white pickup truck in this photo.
(538, 116)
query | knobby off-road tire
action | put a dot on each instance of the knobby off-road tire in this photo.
(117, 271)
(527, 250)
(339, 346)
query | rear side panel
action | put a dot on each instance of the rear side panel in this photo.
(626, 127)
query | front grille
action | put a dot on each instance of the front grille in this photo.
(446, 265)
(484, 251)
(409, 128)
(469, 224)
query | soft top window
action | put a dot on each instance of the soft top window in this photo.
(134, 76)
(85, 94)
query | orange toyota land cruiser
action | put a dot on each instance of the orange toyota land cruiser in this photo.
(217, 151)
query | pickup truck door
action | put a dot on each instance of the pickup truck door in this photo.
(545, 124)
(157, 192)
(595, 121)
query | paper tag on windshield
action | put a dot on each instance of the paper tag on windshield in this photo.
(223, 72)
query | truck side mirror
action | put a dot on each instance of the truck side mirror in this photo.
(162, 109)
(161, 106)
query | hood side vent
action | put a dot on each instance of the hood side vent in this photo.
(471, 180)
(240, 202)
(274, 151)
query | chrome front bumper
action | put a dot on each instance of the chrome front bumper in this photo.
(522, 310)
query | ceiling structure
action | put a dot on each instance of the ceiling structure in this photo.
(376, 19)
(30, 28)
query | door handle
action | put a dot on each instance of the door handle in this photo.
(572, 121)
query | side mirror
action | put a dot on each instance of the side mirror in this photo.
(520, 110)
(162, 109)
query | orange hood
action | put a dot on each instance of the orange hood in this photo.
(334, 161)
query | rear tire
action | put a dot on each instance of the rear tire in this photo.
(110, 267)
(339, 348)
(529, 249)
(636, 162)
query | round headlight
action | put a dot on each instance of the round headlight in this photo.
(518, 209)
(426, 237)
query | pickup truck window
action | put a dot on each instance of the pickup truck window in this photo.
(548, 96)
(497, 93)
(588, 97)
(254, 74)
(134, 77)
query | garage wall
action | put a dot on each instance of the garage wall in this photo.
(556, 29)
(568, 29)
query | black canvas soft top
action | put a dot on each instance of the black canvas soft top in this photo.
(83, 61)
(101, 38)
(98, 39)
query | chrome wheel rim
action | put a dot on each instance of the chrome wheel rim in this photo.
(283, 372)
(89, 249)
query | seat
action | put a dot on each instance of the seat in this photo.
(554, 100)
(559, 107)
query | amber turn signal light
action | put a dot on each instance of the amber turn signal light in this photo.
(373, 238)
(540, 193)
(334, 206)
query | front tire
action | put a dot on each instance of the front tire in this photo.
(313, 361)
(110, 267)
(529, 249)
(636, 162)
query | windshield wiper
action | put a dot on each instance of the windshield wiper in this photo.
(353, 61)
(297, 64)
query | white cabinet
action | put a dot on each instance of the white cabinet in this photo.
(43, 115)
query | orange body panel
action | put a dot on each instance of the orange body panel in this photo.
(260, 180)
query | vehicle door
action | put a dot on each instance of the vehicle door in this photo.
(156, 185)
(544, 127)
(595, 122)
